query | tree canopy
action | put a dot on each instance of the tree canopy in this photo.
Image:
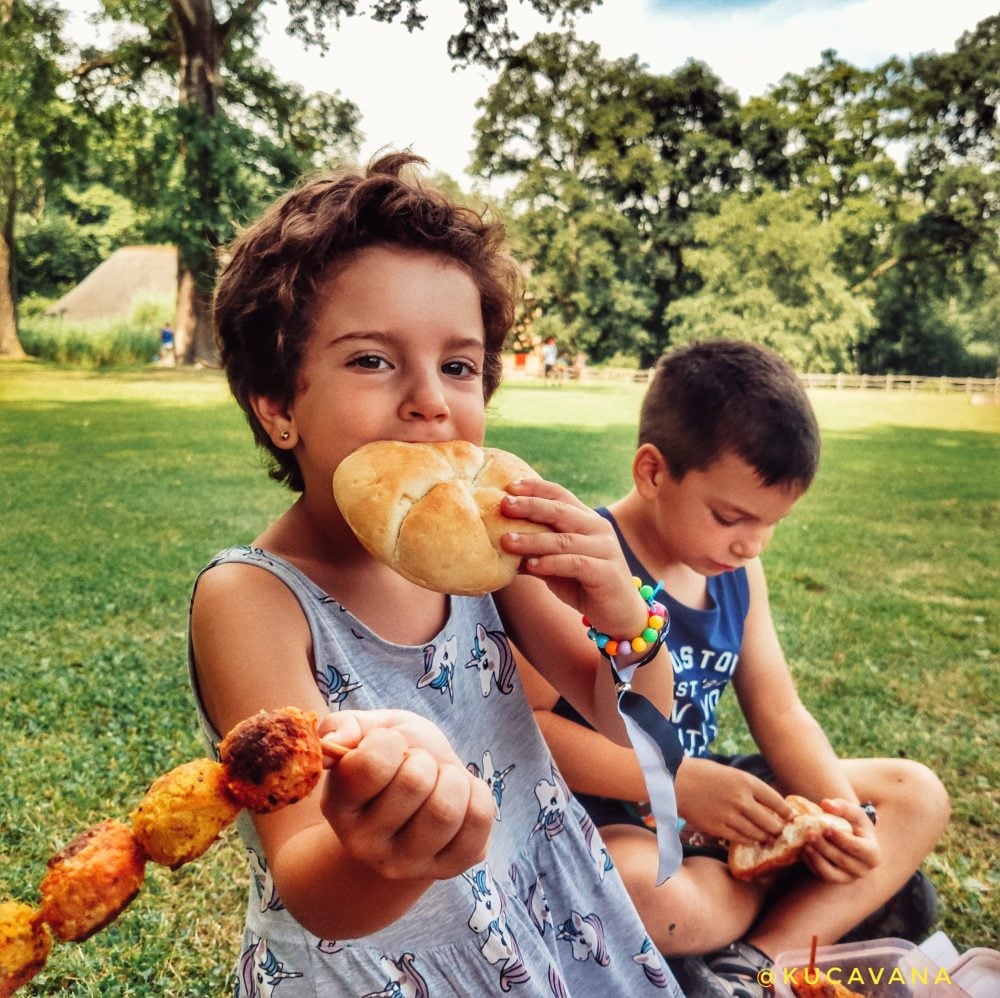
(847, 216)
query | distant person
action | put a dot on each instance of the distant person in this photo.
(550, 358)
(167, 355)
(728, 444)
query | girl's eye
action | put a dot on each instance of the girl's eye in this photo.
(460, 368)
(369, 362)
(722, 521)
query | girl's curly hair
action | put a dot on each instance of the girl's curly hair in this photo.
(267, 288)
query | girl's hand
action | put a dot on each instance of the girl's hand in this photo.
(840, 857)
(732, 804)
(579, 558)
(400, 800)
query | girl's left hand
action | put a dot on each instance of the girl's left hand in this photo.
(839, 857)
(579, 558)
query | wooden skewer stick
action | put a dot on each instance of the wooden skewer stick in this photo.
(334, 750)
(812, 955)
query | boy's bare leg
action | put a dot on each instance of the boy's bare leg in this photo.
(702, 907)
(913, 810)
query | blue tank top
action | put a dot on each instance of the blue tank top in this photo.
(704, 648)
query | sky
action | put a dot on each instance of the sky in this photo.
(410, 96)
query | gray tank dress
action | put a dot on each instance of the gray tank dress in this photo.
(545, 914)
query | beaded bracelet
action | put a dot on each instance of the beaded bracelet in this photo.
(652, 635)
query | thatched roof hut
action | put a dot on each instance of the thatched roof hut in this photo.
(116, 286)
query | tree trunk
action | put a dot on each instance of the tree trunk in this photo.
(10, 342)
(199, 38)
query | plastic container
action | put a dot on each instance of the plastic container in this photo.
(977, 971)
(880, 968)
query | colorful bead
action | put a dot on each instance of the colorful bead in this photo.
(657, 625)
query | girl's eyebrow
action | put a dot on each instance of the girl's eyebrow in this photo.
(458, 342)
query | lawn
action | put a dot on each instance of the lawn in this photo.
(118, 487)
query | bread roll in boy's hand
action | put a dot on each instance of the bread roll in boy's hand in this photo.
(749, 861)
(431, 511)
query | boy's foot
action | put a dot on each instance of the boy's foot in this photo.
(909, 914)
(731, 972)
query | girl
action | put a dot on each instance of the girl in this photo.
(443, 854)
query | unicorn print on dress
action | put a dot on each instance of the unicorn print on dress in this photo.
(405, 981)
(486, 899)
(496, 779)
(595, 845)
(489, 916)
(439, 667)
(585, 934)
(259, 972)
(492, 656)
(552, 801)
(335, 685)
(501, 949)
(652, 964)
(538, 906)
(556, 984)
(264, 882)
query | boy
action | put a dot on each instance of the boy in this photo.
(728, 443)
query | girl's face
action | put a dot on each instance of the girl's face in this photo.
(718, 519)
(395, 353)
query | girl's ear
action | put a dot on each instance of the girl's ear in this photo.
(276, 418)
(649, 470)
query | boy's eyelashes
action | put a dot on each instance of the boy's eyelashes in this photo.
(724, 521)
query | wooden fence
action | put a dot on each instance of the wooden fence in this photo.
(530, 366)
(856, 382)
(904, 382)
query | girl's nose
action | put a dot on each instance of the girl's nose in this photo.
(425, 399)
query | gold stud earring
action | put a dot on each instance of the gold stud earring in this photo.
(285, 434)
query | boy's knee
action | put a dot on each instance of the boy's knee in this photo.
(914, 788)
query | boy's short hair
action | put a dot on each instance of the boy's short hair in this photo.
(718, 397)
(266, 292)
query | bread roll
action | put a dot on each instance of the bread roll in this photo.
(749, 861)
(432, 511)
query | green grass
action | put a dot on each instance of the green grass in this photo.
(117, 488)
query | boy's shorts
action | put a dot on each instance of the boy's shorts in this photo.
(609, 811)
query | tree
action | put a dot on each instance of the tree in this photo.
(948, 105)
(202, 42)
(769, 276)
(833, 127)
(75, 232)
(931, 287)
(29, 76)
(610, 164)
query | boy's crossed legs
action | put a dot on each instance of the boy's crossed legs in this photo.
(703, 909)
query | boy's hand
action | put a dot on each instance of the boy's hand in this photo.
(840, 857)
(400, 800)
(731, 804)
(579, 558)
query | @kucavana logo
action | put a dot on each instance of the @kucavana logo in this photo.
(854, 975)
